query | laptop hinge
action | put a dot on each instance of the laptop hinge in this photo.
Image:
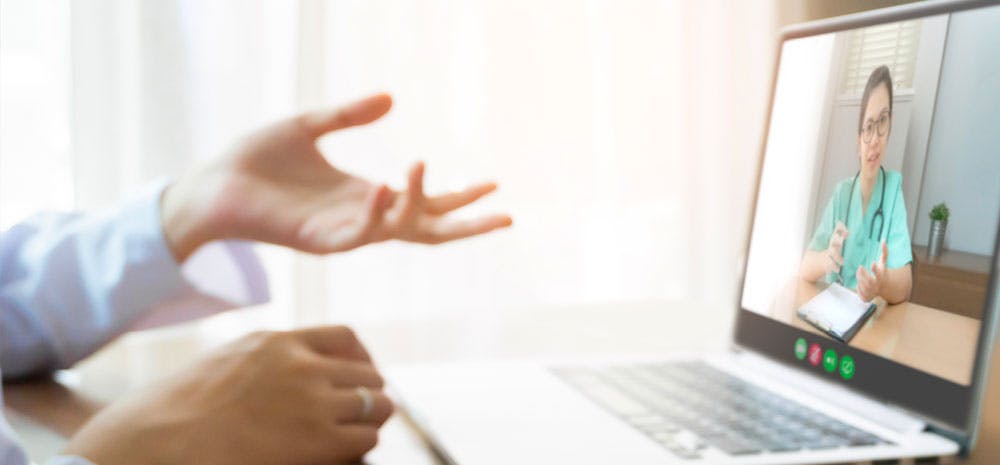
(880, 413)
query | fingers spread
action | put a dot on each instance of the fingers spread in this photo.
(862, 276)
(878, 270)
(377, 204)
(866, 284)
(441, 204)
(878, 266)
(444, 231)
(414, 197)
(341, 237)
(335, 341)
(838, 259)
(363, 111)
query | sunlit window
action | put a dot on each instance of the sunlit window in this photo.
(894, 45)
(36, 172)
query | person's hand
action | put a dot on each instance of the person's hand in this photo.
(277, 187)
(835, 248)
(270, 398)
(870, 284)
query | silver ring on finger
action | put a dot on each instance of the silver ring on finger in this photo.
(367, 402)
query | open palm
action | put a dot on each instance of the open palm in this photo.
(277, 187)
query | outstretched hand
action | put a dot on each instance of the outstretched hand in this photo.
(870, 284)
(835, 248)
(277, 187)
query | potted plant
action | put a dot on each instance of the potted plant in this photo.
(939, 221)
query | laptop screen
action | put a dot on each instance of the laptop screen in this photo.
(874, 234)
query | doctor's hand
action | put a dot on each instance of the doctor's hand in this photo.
(281, 398)
(277, 187)
(835, 248)
(870, 284)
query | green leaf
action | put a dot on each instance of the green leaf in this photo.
(940, 212)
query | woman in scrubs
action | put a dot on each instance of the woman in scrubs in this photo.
(862, 240)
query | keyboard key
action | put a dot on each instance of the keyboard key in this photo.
(614, 400)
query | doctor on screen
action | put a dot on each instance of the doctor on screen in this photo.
(862, 240)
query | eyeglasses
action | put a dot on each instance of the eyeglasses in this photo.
(881, 124)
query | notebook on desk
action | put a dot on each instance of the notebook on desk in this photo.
(838, 312)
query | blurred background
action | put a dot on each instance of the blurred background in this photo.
(625, 135)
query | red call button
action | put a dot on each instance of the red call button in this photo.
(815, 354)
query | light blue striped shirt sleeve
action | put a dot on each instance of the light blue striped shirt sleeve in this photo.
(70, 283)
(69, 460)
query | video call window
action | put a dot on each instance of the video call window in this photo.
(880, 198)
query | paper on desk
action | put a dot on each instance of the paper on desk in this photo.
(836, 308)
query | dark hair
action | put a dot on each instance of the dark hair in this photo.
(878, 76)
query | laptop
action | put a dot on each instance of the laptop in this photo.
(907, 384)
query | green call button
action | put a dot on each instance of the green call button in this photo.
(800, 348)
(847, 367)
(830, 360)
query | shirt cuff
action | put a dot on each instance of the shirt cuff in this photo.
(79, 280)
(219, 276)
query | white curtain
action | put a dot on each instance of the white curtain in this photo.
(624, 135)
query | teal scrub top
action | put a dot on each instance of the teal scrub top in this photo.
(859, 248)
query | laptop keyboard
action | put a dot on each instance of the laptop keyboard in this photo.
(687, 407)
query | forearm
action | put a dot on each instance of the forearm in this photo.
(899, 283)
(185, 213)
(814, 265)
(71, 282)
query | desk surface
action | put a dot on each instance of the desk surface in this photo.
(645, 328)
(932, 340)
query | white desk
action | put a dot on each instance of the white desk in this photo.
(645, 328)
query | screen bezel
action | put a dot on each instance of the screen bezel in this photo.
(952, 408)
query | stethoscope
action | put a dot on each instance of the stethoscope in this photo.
(878, 212)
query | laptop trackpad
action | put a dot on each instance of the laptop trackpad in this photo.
(503, 413)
